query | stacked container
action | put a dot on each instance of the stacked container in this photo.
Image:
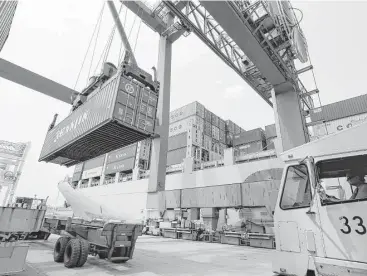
(270, 136)
(231, 129)
(250, 141)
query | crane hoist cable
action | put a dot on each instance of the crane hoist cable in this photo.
(122, 52)
(90, 42)
(107, 47)
(94, 49)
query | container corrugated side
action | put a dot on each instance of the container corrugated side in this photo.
(78, 167)
(92, 113)
(338, 125)
(230, 126)
(207, 128)
(215, 133)
(121, 154)
(111, 119)
(215, 120)
(237, 129)
(94, 163)
(7, 11)
(208, 116)
(252, 147)
(185, 124)
(270, 131)
(222, 136)
(176, 156)
(192, 109)
(195, 136)
(222, 124)
(342, 109)
(120, 166)
(270, 143)
(177, 141)
(248, 137)
(207, 142)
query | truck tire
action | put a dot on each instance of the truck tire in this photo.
(103, 255)
(59, 249)
(72, 253)
(84, 251)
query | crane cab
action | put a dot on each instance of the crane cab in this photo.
(320, 219)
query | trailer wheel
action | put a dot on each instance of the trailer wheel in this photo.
(59, 249)
(84, 251)
(72, 253)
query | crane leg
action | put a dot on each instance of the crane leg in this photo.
(158, 163)
(289, 120)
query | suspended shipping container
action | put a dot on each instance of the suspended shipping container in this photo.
(7, 11)
(192, 109)
(120, 114)
(252, 147)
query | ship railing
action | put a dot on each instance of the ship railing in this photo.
(248, 157)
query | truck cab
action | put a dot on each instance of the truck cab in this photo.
(320, 219)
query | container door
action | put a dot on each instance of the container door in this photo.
(343, 208)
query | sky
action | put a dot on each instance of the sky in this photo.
(51, 38)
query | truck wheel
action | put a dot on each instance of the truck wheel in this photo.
(84, 251)
(59, 249)
(72, 253)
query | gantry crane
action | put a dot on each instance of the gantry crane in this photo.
(257, 46)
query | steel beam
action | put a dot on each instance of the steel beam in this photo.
(232, 23)
(158, 162)
(121, 31)
(24, 77)
(148, 17)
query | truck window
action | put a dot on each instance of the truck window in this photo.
(343, 179)
(297, 188)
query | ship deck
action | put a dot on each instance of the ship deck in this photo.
(156, 256)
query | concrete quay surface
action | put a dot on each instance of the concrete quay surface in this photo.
(157, 256)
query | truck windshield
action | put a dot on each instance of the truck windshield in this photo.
(343, 179)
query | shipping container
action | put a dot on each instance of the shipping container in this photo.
(184, 124)
(207, 142)
(248, 137)
(176, 156)
(195, 136)
(192, 109)
(221, 149)
(215, 147)
(208, 116)
(222, 136)
(215, 120)
(270, 131)
(237, 129)
(207, 128)
(222, 124)
(230, 126)
(94, 163)
(120, 166)
(177, 141)
(347, 108)
(205, 156)
(215, 133)
(337, 125)
(7, 11)
(270, 143)
(121, 154)
(256, 146)
(77, 176)
(145, 148)
(214, 156)
(78, 167)
(114, 117)
(95, 172)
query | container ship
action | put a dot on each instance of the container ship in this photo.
(217, 173)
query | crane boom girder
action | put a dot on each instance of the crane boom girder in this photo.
(24, 77)
(231, 22)
(207, 31)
